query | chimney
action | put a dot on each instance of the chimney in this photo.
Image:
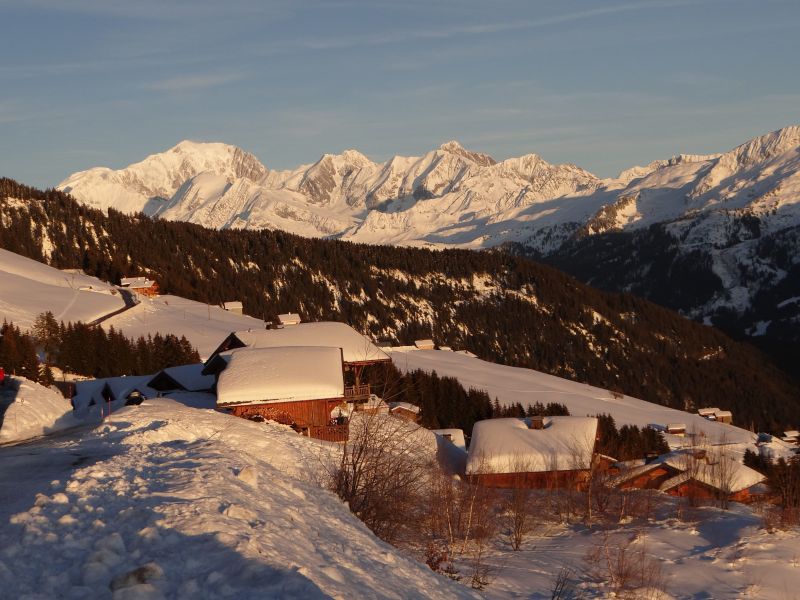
(537, 422)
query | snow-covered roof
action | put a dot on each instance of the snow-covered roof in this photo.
(705, 412)
(136, 282)
(791, 433)
(289, 319)
(233, 305)
(404, 405)
(723, 413)
(456, 436)
(120, 387)
(285, 374)
(191, 377)
(716, 470)
(676, 426)
(424, 344)
(510, 446)
(355, 347)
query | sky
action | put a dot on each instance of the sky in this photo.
(605, 85)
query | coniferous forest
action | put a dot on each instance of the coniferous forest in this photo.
(86, 350)
(504, 308)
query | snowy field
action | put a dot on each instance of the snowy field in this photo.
(203, 325)
(168, 501)
(511, 385)
(708, 554)
(29, 288)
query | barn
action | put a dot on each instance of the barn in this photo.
(298, 386)
(536, 452)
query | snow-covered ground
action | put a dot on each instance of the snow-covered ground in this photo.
(708, 554)
(28, 410)
(203, 325)
(29, 288)
(168, 501)
(511, 385)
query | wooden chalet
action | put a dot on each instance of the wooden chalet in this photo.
(696, 473)
(140, 285)
(358, 351)
(300, 386)
(234, 306)
(537, 452)
(404, 410)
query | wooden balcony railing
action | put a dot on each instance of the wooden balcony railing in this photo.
(357, 392)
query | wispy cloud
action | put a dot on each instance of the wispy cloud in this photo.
(190, 83)
(410, 35)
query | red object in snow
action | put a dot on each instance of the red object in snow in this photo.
(2, 376)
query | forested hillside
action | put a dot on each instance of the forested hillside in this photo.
(502, 307)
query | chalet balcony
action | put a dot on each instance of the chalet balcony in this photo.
(357, 393)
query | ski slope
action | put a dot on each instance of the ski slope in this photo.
(29, 288)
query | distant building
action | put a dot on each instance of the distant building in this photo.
(405, 410)
(425, 345)
(140, 285)
(724, 416)
(288, 319)
(678, 429)
(715, 414)
(234, 306)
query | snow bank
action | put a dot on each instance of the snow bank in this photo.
(255, 376)
(32, 410)
(174, 502)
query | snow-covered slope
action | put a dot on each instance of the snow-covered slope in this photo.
(29, 288)
(147, 185)
(526, 386)
(166, 501)
(203, 325)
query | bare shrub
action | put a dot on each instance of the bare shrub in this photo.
(625, 566)
(518, 504)
(382, 474)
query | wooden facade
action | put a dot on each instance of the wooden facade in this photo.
(701, 491)
(309, 417)
(573, 479)
(650, 479)
(404, 413)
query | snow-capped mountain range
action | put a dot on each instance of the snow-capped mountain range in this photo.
(451, 196)
(725, 241)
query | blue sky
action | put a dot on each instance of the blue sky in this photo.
(605, 85)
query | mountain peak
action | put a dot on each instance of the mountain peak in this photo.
(454, 147)
(451, 146)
